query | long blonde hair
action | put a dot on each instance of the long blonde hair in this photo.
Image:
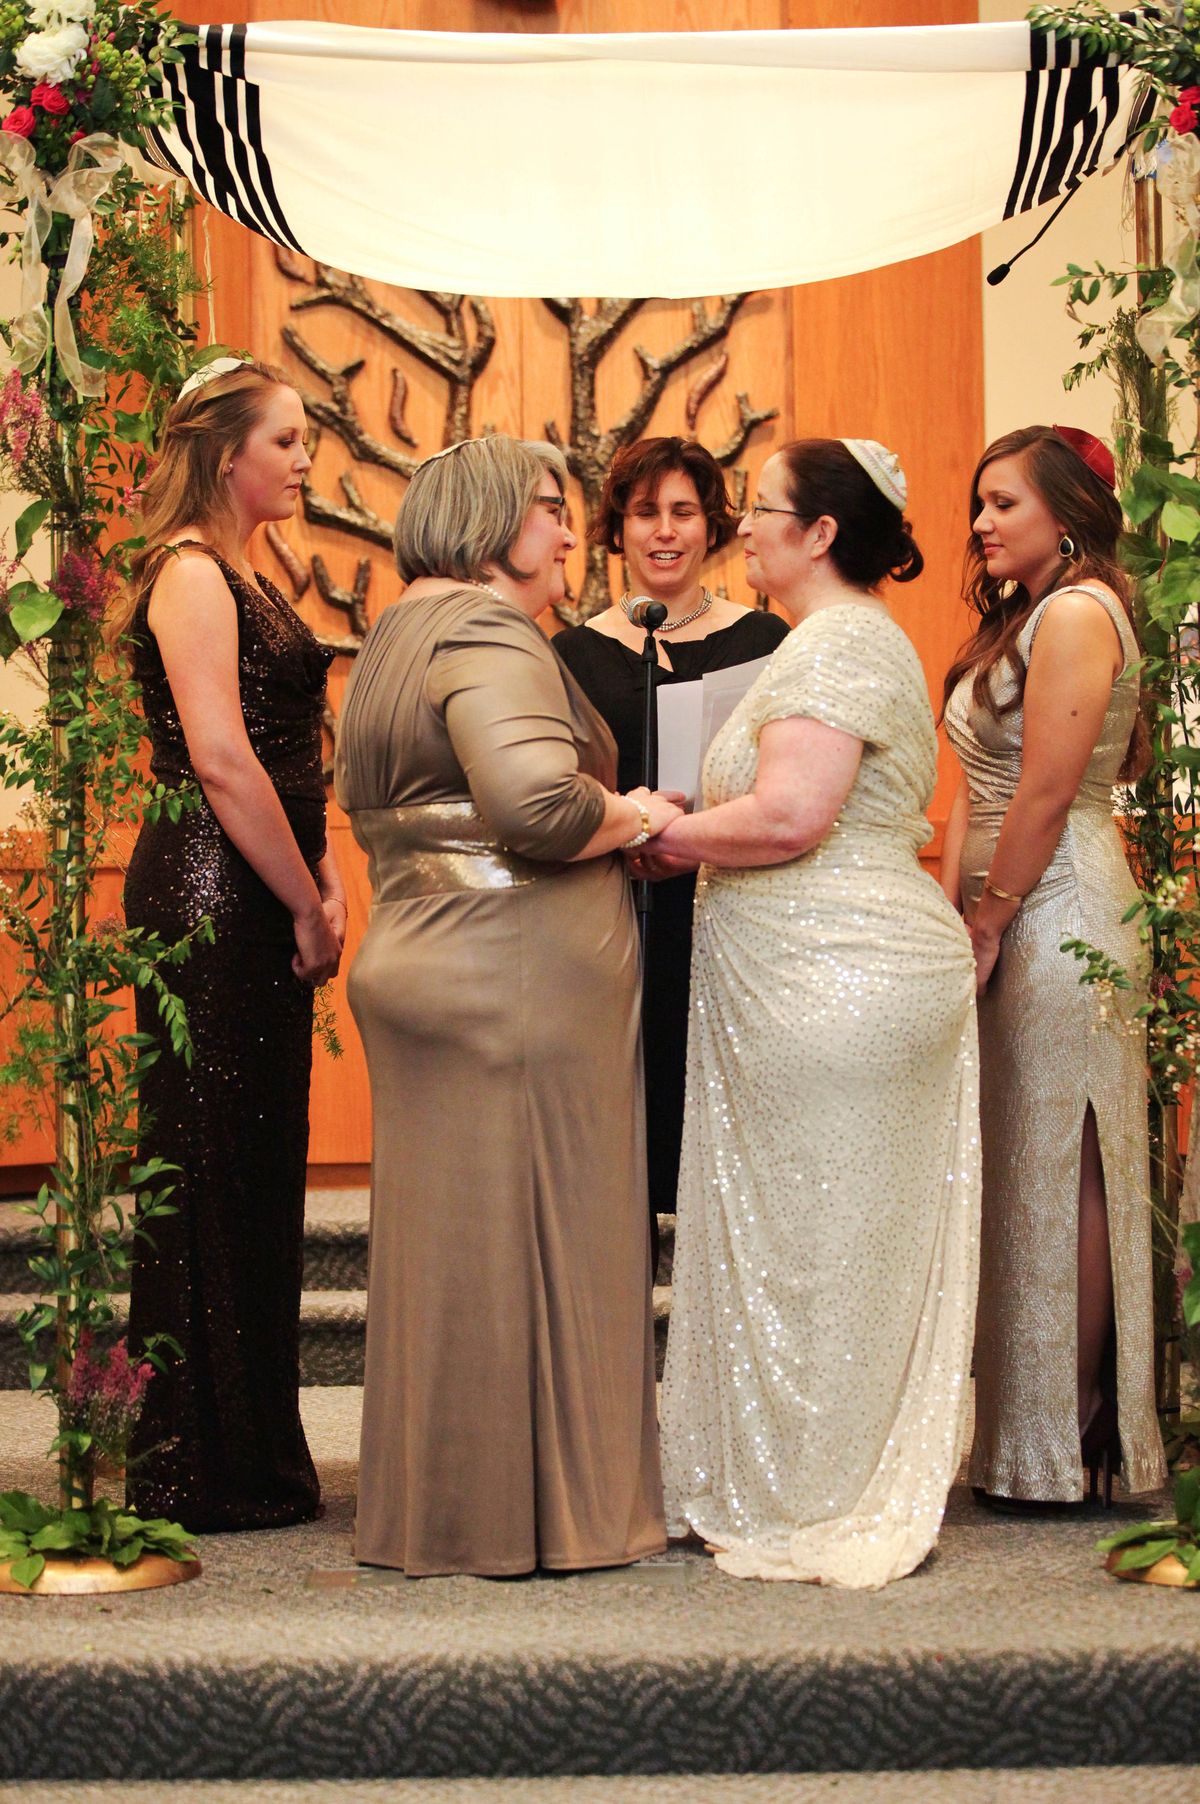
(185, 486)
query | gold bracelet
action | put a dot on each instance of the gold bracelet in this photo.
(1005, 895)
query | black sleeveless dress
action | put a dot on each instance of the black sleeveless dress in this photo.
(220, 1443)
(610, 675)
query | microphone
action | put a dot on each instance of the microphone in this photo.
(995, 276)
(646, 613)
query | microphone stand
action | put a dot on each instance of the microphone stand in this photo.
(653, 614)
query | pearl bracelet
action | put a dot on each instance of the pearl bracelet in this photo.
(639, 839)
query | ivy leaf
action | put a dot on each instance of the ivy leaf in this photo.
(20, 1511)
(1187, 1494)
(1137, 1559)
(27, 1571)
(33, 611)
(1137, 1531)
(1193, 1571)
(126, 1552)
(1179, 521)
(28, 524)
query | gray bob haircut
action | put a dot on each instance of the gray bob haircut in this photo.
(463, 510)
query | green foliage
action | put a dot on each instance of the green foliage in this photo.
(30, 1531)
(79, 761)
(1160, 39)
(1143, 1544)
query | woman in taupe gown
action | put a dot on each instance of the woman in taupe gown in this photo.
(508, 1414)
(1042, 709)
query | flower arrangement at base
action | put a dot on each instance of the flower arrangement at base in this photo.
(101, 1407)
(1161, 1553)
(98, 349)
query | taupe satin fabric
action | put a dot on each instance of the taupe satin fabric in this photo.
(508, 1414)
(1046, 1052)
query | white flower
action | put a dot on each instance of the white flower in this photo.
(43, 13)
(52, 55)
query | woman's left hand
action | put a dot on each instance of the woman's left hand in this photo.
(986, 948)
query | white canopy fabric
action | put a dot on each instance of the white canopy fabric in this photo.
(650, 164)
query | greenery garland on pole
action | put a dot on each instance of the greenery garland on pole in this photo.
(98, 350)
(1150, 345)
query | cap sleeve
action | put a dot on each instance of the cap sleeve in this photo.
(833, 669)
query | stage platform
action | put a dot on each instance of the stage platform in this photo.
(1009, 1649)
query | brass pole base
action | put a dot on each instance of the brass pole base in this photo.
(68, 1577)
(1168, 1571)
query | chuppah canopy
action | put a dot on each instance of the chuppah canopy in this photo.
(669, 164)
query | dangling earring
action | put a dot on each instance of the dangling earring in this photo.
(1008, 588)
(1066, 546)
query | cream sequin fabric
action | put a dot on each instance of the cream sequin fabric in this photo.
(827, 1235)
(1046, 1051)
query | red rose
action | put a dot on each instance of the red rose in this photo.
(1182, 119)
(50, 99)
(21, 121)
(75, 136)
(1189, 97)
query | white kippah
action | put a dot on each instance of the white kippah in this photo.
(220, 366)
(882, 466)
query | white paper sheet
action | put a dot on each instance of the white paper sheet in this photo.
(690, 715)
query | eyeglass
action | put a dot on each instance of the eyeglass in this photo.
(556, 503)
(759, 509)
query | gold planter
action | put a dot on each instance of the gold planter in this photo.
(67, 1577)
(1168, 1571)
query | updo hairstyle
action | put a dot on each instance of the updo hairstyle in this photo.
(873, 539)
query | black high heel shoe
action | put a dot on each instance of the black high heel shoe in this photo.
(1100, 1448)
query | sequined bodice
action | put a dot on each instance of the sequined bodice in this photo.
(281, 681)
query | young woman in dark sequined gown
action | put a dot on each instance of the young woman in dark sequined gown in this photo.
(233, 685)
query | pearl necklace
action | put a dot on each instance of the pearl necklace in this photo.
(488, 590)
(669, 626)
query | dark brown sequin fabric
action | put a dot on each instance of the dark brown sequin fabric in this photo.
(220, 1443)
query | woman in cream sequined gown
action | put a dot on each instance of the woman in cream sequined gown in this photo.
(825, 1267)
(1065, 1251)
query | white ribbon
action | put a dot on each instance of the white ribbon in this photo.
(1177, 173)
(75, 193)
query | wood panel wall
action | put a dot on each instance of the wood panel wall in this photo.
(895, 354)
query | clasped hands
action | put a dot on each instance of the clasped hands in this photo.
(651, 860)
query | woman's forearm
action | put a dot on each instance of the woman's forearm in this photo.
(247, 805)
(1032, 829)
(740, 833)
(621, 822)
(329, 879)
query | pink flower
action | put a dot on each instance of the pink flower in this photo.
(20, 122)
(1182, 118)
(83, 584)
(51, 99)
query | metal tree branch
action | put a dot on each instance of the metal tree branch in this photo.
(340, 412)
(454, 353)
(355, 517)
(590, 449)
(748, 418)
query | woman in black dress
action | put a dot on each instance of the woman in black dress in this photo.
(666, 511)
(233, 685)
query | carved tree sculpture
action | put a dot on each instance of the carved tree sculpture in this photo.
(591, 450)
(459, 352)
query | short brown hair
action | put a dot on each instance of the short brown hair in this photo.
(643, 466)
(464, 508)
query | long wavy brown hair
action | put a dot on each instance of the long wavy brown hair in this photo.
(185, 486)
(1080, 498)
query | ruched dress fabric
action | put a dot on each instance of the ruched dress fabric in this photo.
(827, 1237)
(220, 1444)
(1046, 1052)
(508, 1413)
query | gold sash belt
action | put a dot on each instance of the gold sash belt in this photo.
(432, 848)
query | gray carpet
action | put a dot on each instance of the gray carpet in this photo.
(1010, 1648)
(1057, 1785)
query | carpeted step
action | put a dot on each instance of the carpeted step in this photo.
(333, 1327)
(991, 1785)
(1009, 1649)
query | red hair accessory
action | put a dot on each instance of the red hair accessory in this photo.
(1094, 452)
